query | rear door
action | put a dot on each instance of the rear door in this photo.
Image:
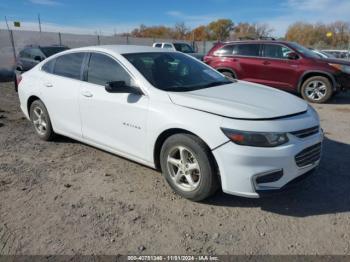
(61, 87)
(279, 71)
(248, 62)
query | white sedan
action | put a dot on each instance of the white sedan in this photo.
(171, 112)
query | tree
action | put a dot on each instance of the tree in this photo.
(262, 30)
(244, 31)
(315, 35)
(200, 33)
(181, 31)
(153, 31)
(220, 29)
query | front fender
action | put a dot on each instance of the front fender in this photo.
(204, 125)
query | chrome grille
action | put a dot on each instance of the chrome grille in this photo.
(309, 155)
(306, 132)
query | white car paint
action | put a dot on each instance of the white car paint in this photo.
(130, 126)
(223, 99)
(166, 45)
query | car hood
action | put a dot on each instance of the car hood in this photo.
(241, 100)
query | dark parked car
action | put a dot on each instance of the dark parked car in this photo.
(284, 65)
(31, 55)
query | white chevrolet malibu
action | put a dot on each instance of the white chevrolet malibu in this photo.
(171, 112)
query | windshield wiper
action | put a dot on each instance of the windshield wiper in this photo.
(218, 83)
(196, 87)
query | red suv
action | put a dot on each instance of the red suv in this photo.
(284, 65)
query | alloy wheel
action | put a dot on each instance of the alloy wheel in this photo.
(184, 168)
(316, 90)
(39, 120)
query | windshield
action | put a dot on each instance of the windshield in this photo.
(49, 51)
(328, 54)
(303, 50)
(175, 72)
(184, 48)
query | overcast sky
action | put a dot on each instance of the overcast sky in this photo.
(108, 16)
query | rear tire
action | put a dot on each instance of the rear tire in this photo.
(317, 89)
(189, 167)
(41, 121)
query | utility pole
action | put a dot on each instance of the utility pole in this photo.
(348, 56)
(12, 41)
(7, 24)
(39, 22)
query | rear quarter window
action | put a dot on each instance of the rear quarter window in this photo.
(48, 66)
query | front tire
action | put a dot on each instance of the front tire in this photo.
(41, 121)
(317, 89)
(228, 74)
(189, 167)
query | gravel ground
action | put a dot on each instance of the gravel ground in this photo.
(65, 197)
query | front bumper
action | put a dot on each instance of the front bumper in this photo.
(240, 166)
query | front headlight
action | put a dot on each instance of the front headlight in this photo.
(257, 139)
(343, 68)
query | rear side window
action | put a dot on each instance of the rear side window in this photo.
(184, 48)
(158, 45)
(48, 66)
(69, 65)
(226, 50)
(168, 46)
(248, 49)
(103, 69)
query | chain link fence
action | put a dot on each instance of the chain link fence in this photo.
(9, 50)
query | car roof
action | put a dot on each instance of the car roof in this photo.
(175, 42)
(122, 49)
(256, 42)
(163, 43)
(44, 46)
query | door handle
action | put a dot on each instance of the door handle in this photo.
(266, 63)
(48, 84)
(87, 94)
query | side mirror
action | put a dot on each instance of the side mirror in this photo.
(122, 87)
(292, 56)
(19, 69)
(38, 58)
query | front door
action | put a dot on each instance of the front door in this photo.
(113, 120)
(279, 71)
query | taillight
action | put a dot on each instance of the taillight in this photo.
(18, 79)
